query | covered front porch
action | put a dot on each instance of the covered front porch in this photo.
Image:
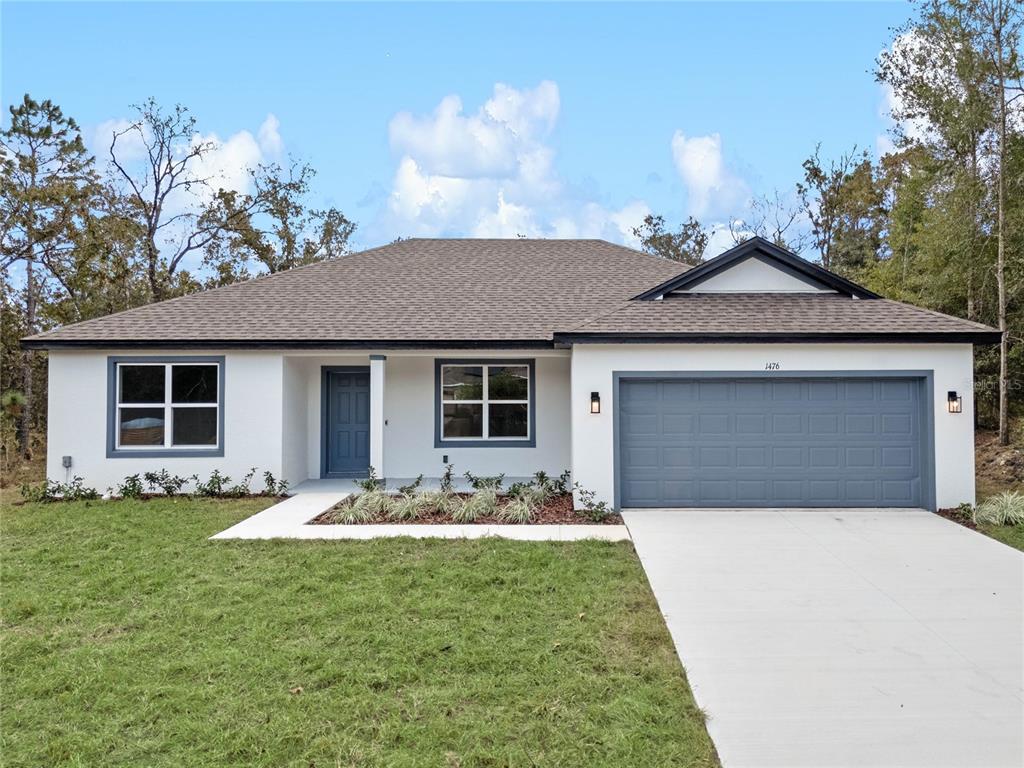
(345, 413)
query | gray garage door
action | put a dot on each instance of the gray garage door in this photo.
(807, 442)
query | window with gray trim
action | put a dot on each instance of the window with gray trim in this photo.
(485, 402)
(166, 405)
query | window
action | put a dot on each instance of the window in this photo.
(171, 405)
(485, 402)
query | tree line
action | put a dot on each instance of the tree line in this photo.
(936, 221)
(80, 238)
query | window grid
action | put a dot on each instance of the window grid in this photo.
(168, 405)
(486, 402)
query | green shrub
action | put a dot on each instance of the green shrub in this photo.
(561, 483)
(448, 478)
(131, 488)
(411, 488)
(217, 485)
(595, 511)
(376, 503)
(1006, 508)
(483, 482)
(273, 487)
(167, 483)
(518, 511)
(410, 506)
(483, 503)
(370, 483)
(242, 488)
(51, 490)
(444, 502)
(353, 513)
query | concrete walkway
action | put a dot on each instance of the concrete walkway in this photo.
(289, 520)
(843, 637)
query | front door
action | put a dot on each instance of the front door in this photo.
(346, 449)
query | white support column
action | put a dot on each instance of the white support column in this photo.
(377, 365)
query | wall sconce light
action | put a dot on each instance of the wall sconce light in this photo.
(954, 402)
(595, 402)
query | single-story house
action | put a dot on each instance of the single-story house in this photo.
(756, 379)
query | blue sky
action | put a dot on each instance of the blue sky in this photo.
(482, 119)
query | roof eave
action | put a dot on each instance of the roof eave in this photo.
(914, 337)
(40, 343)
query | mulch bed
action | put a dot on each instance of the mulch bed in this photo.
(558, 510)
(957, 517)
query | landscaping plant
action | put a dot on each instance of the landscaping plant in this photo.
(51, 490)
(411, 487)
(131, 488)
(242, 488)
(166, 482)
(448, 478)
(375, 504)
(273, 487)
(593, 510)
(483, 503)
(482, 482)
(217, 485)
(371, 482)
(1006, 508)
(517, 511)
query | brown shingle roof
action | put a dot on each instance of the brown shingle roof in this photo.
(760, 315)
(415, 290)
(503, 292)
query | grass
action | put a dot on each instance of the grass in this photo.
(1011, 535)
(129, 639)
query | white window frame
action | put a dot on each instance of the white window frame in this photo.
(168, 406)
(486, 402)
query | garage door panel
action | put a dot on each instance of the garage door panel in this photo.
(780, 442)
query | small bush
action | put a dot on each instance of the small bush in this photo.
(242, 488)
(448, 479)
(518, 511)
(370, 483)
(595, 511)
(1006, 508)
(273, 487)
(353, 514)
(411, 488)
(483, 503)
(444, 502)
(519, 489)
(51, 490)
(131, 488)
(217, 485)
(484, 482)
(561, 483)
(410, 506)
(166, 482)
(375, 503)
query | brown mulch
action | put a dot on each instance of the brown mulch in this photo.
(557, 510)
(957, 517)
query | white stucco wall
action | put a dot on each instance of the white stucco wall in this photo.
(753, 275)
(409, 415)
(294, 421)
(77, 420)
(952, 364)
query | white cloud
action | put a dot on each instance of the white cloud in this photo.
(490, 173)
(130, 146)
(269, 136)
(227, 163)
(711, 187)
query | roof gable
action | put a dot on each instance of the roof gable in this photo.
(758, 266)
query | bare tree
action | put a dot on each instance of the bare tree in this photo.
(169, 191)
(775, 219)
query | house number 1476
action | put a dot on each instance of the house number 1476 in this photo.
(772, 366)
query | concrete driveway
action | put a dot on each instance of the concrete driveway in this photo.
(843, 637)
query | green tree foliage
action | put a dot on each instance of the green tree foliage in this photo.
(687, 245)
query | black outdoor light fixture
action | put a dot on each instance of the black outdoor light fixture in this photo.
(954, 402)
(595, 402)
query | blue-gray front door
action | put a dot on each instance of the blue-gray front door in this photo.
(346, 422)
(778, 442)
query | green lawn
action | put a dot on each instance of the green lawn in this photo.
(129, 639)
(1011, 535)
